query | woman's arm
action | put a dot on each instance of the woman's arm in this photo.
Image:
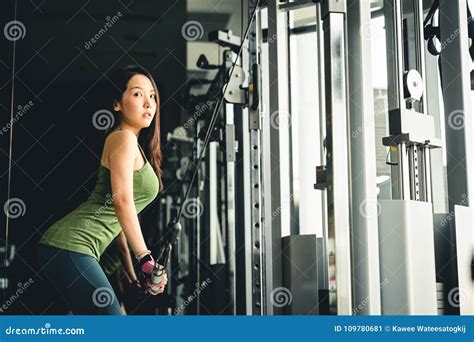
(121, 164)
(125, 258)
(123, 150)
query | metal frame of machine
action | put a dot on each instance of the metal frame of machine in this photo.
(384, 254)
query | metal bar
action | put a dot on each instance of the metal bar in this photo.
(338, 158)
(456, 67)
(422, 176)
(322, 134)
(395, 68)
(420, 49)
(254, 168)
(197, 221)
(365, 242)
(459, 127)
(278, 103)
(403, 173)
(427, 175)
(256, 225)
(230, 202)
(243, 168)
(413, 172)
(214, 208)
(437, 177)
(245, 213)
(425, 170)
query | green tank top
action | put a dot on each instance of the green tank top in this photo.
(93, 225)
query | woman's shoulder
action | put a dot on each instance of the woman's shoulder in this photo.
(121, 143)
(121, 138)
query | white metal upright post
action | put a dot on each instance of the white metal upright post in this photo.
(338, 156)
(279, 105)
(365, 237)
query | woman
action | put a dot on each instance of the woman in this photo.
(70, 250)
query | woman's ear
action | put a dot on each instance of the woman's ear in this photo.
(117, 106)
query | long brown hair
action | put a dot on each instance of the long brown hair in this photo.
(150, 136)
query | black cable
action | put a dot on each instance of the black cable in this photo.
(431, 12)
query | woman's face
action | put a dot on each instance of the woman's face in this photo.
(139, 102)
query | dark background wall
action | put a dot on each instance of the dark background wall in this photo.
(60, 83)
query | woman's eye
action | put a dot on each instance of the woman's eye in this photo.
(138, 93)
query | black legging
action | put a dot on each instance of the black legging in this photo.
(80, 280)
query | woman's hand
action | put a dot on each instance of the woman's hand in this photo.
(155, 289)
(146, 266)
